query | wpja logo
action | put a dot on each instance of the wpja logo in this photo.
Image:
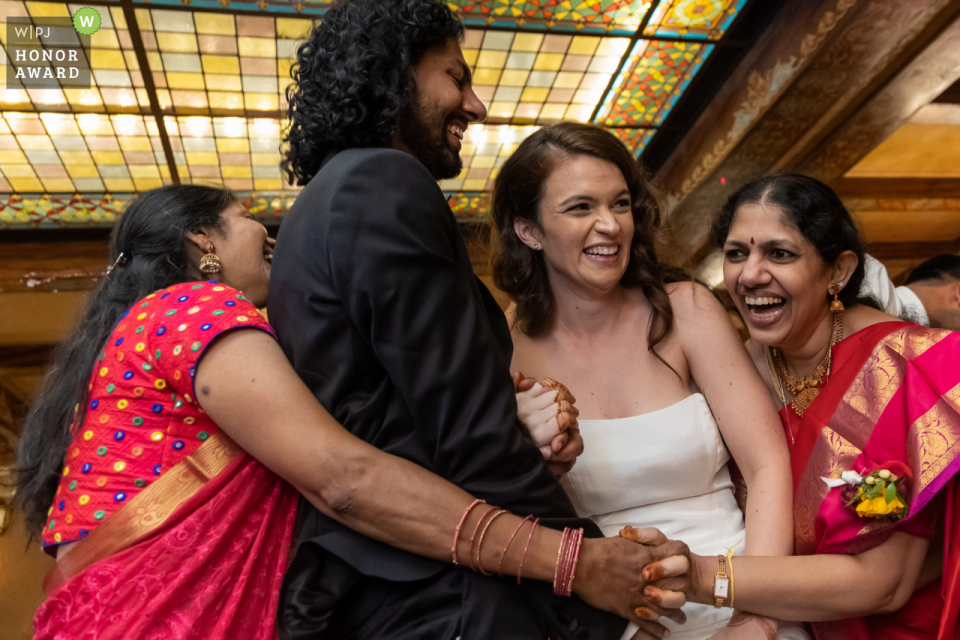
(50, 53)
(86, 21)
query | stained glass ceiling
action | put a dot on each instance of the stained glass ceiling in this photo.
(210, 107)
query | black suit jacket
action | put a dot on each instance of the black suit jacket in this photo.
(376, 305)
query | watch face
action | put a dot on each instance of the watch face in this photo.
(721, 588)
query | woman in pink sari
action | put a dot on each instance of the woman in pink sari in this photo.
(871, 412)
(166, 453)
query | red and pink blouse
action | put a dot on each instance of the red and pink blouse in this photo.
(142, 417)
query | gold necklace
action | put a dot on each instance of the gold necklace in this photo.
(807, 388)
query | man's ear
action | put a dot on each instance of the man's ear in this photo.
(528, 232)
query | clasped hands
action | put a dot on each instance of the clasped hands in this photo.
(546, 408)
(615, 574)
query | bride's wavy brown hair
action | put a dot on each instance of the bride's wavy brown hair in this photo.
(521, 272)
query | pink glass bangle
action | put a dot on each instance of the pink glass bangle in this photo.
(509, 542)
(573, 564)
(564, 541)
(473, 538)
(566, 561)
(463, 518)
(524, 556)
(480, 541)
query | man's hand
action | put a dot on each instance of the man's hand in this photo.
(608, 577)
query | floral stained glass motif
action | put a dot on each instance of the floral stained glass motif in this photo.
(700, 19)
(45, 211)
(620, 17)
(634, 139)
(653, 78)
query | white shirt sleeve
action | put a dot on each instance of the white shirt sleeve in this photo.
(877, 283)
(897, 301)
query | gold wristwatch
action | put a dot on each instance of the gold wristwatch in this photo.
(721, 584)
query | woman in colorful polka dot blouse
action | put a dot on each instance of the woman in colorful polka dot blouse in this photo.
(165, 526)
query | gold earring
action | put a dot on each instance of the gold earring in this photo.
(210, 262)
(834, 290)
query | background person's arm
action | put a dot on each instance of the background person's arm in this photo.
(246, 385)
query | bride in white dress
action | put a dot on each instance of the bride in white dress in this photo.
(576, 224)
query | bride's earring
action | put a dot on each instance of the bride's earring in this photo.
(210, 262)
(536, 246)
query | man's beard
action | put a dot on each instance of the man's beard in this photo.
(428, 146)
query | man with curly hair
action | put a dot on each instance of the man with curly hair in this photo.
(374, 299)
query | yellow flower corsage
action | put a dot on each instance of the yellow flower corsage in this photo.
(876, 495)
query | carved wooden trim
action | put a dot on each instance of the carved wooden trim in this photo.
(838, 66)
(759, 91)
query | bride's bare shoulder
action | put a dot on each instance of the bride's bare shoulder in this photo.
(695, 305)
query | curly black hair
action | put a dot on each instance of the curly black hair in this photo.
(352, 77)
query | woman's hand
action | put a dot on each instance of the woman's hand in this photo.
(546, 408)
(608, 577)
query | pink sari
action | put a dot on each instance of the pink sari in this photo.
(200, 553)
(892, 401)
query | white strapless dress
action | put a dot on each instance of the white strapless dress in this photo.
(666, 469)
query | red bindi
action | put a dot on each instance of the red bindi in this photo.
(751, 240)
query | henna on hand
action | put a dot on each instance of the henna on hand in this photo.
(566, 412)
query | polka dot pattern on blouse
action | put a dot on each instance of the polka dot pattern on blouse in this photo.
(141, 416)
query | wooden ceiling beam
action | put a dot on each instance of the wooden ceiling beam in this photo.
(928, 72)
(902, 188)
(909, 250)
(54, 266)
(817, 64)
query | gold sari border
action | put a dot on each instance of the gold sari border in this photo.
(148, 510)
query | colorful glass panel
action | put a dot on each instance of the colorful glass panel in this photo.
(634, 139)
(620, 17)
(47, 211)
(485, 149)
(653, 78)
(313, 8)
(206, 63)
(700, 19)
(220, 81)
(63, 152)
(239, 153)
(117, 86)
(526, 78)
